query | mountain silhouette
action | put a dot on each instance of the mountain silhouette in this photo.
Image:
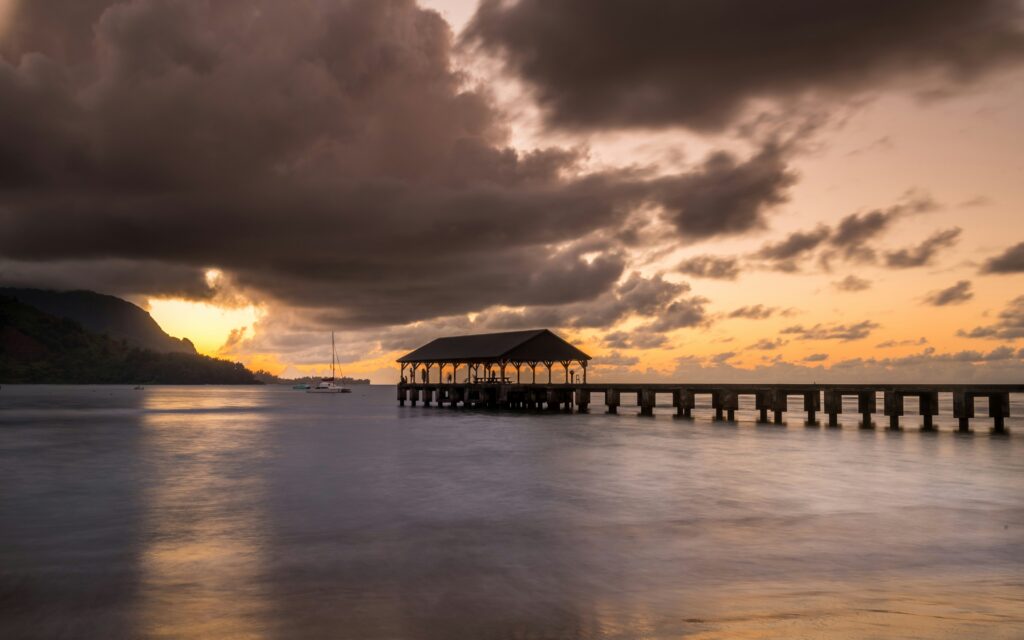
(105, 315)
(40, 348)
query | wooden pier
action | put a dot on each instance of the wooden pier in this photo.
(476, 371)
(777, 399)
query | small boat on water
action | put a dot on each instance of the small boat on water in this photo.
(330, 385)
(302, 386)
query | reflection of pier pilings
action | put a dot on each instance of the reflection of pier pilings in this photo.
(724, 399)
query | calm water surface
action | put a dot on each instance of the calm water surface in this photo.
(268, 513)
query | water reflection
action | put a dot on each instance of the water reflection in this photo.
(204, 525)
(210, 512)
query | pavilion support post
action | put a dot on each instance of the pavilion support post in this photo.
(583, 365)
(549, 364)
(533, 367)
(503, 365)
(517, 365)
(565, 365)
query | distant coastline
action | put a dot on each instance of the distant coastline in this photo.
(267, 378)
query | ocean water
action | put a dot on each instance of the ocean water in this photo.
(212, 512)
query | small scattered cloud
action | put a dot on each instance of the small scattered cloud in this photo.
(976, 201)
(726, 196)
(956, 294)
(713, 267)
(816, 357)
(1009, 261)
(1010, 325)
(923, 253)
(767, 344)
(686, 312)
(637, 339)
(852, 283)
(901, 343)
(842, 332)
(881, 144)
(754, 312)
(616, 359)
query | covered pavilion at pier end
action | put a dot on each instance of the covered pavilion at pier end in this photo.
(488, 357)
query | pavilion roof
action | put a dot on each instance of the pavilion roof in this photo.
(537, 345)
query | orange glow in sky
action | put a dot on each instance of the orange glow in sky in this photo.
(206, 325)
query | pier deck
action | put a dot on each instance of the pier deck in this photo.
(773, 398)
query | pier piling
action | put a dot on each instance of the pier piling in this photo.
(558, 397)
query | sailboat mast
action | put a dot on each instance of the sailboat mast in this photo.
(333, 355)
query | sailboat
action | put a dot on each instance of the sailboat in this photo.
(330, 385)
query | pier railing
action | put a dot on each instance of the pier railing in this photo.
(774, 398)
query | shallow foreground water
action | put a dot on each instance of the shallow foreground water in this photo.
(215, 512)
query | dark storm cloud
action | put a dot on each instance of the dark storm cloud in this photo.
(325, 155)
(852, 283)
(1009, 261)
(712, 267)
(956, 294)
(128, 277)
(843, 332)
(1010, 325)
(600, 63)
(923, 253)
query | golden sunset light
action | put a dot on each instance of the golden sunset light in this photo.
(207, 325)
(442, 319)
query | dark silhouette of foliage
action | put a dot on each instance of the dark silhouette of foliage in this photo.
(36, 347)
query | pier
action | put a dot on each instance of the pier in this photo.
(774, 399)
(477, 371)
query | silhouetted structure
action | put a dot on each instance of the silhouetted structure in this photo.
(487, 356)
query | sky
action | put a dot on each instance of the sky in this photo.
(706, 190)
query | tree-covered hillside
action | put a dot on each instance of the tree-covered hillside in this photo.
(36, 347)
